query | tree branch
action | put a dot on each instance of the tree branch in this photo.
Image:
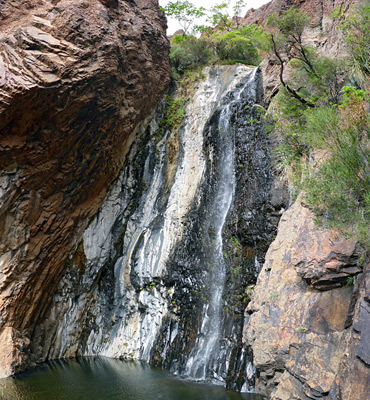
(286, 86)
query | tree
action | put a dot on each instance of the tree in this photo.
(287, 45)
(324, 127)
(188, 52)
(185, 12)
(237, 9)
(234, 46)
(220, 18)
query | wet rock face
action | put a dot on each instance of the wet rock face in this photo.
(76, 79)
(141, 282)
(308, 320)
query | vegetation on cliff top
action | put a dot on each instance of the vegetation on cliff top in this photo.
(223, 40)
(322, 118)
(227, 43)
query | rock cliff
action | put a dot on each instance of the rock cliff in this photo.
(76, 80)
(119, 237)
(309, 319)
(308, 322)
(160, 274)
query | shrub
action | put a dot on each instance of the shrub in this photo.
(234, 46)
(337, 184)
(257, 36)
(356, 28)
(339, 188)
(188, 52)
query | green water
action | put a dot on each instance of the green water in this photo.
(106, 379)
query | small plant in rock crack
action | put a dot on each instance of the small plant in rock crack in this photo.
(237, 247)
(236, 271)
(273, 295)
(302, 329)
(350, 281)
(248, 292)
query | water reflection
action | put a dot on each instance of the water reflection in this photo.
(106, 379)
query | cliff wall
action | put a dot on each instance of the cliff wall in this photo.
(309, 319)
(76, 79)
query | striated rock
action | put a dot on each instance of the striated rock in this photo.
(76, 79)
(299, 335)
(161, 258)
(353, 380)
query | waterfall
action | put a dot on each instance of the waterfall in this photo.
(158, 280)
(203, 360)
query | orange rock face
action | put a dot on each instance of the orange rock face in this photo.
(307, 337)
(76, 79)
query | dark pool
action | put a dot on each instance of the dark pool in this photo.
(106, 379)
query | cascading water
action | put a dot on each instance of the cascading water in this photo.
(164, 275)
(202, 363)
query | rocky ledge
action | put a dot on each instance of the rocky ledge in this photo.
(76, 79)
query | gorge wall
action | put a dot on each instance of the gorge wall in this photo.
(309, 318)
(76, 80)
(120, 237)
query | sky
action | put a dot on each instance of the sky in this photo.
(173, 25)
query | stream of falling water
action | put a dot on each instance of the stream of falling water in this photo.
(203, 360)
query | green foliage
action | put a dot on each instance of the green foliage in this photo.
(350, 281)
(234, 46)
(288, 120)
(237, 9)
(237, 247)
(256, 34)
(322, 86)
(185, 12)
(235, 271)
(324, 128)
(219, 17)
(356, 28)
(227, 44)
(290, 24)
(302, 329)
(174, 112)
(315, 79)
(175, 105)
(337, 185)
(188, 52)
(240, 45)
